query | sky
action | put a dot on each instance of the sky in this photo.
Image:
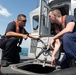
(9, 9)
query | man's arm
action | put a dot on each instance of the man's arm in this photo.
(9, 34)
(69, 28)
(32, 36)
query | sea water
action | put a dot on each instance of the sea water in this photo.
(24, 52)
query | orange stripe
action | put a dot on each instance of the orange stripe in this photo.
(17, 27)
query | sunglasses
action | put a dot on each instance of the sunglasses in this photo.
(49, 16)
(23, 20)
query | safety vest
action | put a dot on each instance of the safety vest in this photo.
(18, 28)
(57, 29)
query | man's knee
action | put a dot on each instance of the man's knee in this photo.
(66, 37)
(11, 41)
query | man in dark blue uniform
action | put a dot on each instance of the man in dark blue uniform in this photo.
(68, 35)
(14, 34)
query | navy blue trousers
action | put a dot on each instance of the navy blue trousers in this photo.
(10, 52)
(69, 47)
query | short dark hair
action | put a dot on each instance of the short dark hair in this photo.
(52, 9)
(56, 11)
(20, 15)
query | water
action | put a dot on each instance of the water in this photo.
(24, 52)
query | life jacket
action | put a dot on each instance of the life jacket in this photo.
(18, 28)
(57, 29)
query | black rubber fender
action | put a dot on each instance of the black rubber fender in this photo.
(67, 71)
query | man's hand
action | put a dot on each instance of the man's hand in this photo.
(25, 37)
(37, 37)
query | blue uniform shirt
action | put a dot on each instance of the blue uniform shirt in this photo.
(12, 27)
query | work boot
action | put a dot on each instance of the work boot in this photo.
(72, 63)
(4, 63)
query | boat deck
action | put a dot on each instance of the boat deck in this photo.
(30, 66)
(13, 70)
(8, 70)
